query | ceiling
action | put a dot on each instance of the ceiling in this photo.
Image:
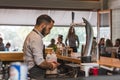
(8, 17)
(28, 17)
(52, 4)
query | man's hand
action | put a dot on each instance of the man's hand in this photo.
(49, 65)
(55, 64)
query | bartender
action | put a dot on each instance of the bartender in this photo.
(33, 48)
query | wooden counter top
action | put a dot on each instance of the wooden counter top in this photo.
(70, 59)
(18, 56)
(11, 56)
(110, 62)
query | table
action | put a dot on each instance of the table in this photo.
(69, 59)
(11, 56)
(83, 66)
(18, 56)
(111, 62)
(86, 67)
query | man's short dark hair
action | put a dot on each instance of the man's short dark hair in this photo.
(94, 37)
(44, 18)
(60, 36)
(1, 39)
(8, 44)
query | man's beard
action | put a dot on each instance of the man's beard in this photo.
(43, 31)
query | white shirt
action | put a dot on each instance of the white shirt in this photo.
(33, 49)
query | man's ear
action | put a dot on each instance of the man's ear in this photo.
(43, 25)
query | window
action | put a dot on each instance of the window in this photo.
(104, 24)
(63, 18)
(17, 34)
(80, 31)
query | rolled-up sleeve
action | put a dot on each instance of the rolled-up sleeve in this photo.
(37, 49)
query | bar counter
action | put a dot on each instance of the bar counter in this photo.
(69, 59)
(113, 77)
(11, 56)
(18, 56)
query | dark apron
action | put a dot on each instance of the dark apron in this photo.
(36, 72)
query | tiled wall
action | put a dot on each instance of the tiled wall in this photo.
(115, 6)
(115, 24)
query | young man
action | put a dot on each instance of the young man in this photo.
(33, 47)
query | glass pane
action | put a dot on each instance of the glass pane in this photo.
(17, 34)
(105, 26)
(104, 22)
(105, 32)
